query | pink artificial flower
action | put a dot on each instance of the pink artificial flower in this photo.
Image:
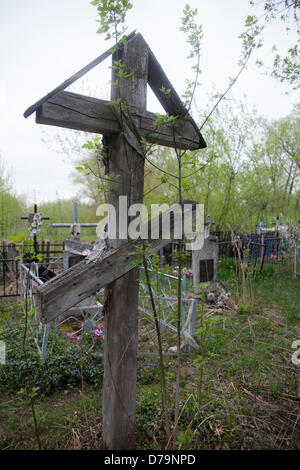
(98, 332)
(75, 337)
(86, 252)
(189, 273)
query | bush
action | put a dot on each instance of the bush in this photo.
(68, 362)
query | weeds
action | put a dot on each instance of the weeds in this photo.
(238, 391)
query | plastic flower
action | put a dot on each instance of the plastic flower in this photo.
(75, 337)
(189, 273)
(98, 332)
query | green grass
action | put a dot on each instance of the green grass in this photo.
(64, 421)
(238, 391)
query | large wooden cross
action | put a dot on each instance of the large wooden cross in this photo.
(112, 267)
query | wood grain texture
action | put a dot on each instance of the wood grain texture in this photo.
(84, 279)
(113, 268)
(75, 111)
(74, 77)
(121, 318)
(171, 102)
(158, 80)
(191, 138)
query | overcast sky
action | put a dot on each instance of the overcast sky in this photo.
(44, 42)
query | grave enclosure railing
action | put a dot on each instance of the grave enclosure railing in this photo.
(275, 248)
(29, 280)
(274, 252)
(10, 264)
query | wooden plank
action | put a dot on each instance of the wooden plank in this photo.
(79, 112)
(84, 279)
(121, 318)
(157, 80)
(185, 135)
(91, 310)
(74, 77)
(171, 102)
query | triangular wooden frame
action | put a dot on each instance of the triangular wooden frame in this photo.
(191, 137)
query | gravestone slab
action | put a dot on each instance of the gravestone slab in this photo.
(205, 261)
(73, 252)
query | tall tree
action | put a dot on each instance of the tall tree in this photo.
(11, 206)
(285, 13)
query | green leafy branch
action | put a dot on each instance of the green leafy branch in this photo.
(287, 67)
(194, 34)
(112, 15)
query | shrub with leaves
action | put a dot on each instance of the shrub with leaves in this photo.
(68, 362)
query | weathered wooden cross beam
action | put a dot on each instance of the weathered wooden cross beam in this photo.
(126, 160)
(102, 267)
(74, 111)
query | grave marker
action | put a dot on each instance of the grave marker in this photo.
(73, 249)
(75, 226)
(34, 221)
(111, 265)
(205, 261)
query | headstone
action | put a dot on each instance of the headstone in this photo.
(74, 252)
(205, 260)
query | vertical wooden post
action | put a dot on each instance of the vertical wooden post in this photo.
(121, 316)
(48, 251)
(262, 255)
(12, 254)
(239, 255)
